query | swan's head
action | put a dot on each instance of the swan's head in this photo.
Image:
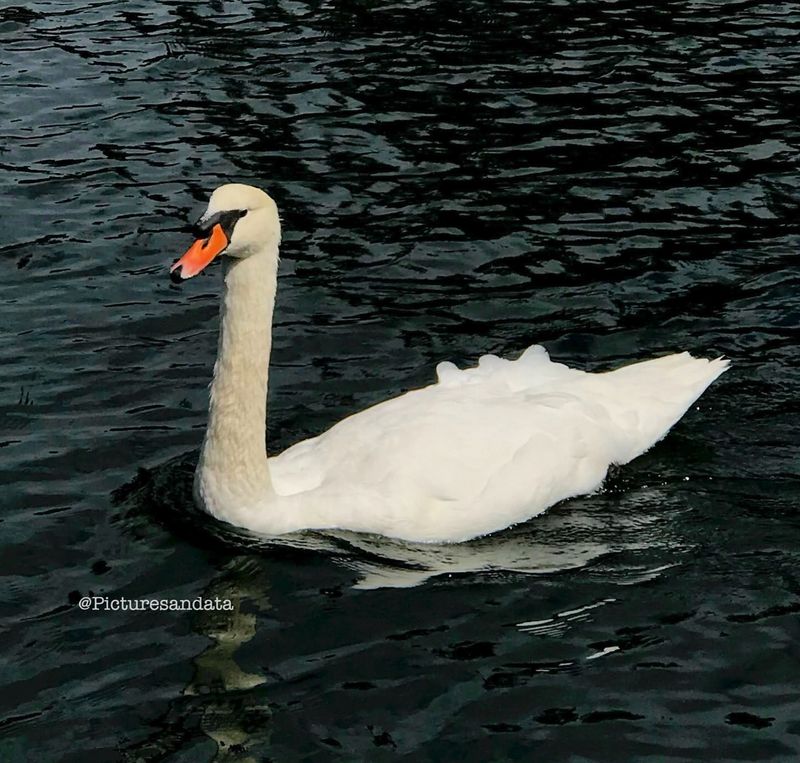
(240, 221)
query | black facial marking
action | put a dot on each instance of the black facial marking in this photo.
(227, 220)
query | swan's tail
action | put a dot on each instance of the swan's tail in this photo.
(647, 399)
(635, 405)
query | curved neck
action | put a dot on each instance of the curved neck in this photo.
(234, 455)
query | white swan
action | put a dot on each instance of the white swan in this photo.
(479, 450)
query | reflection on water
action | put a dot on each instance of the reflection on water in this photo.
(216, 668)
(568, 538)
(222, 701)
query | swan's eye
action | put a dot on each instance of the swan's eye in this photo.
(226, 220)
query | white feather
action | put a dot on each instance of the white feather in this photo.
(486, 447)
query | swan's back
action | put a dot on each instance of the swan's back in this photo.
(488, 446)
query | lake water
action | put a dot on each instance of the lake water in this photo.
(611, 179)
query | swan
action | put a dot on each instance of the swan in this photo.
(479, 450)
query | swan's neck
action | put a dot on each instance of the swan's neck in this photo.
(233, 463)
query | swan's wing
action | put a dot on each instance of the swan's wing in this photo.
(488, 446)
(461, 419)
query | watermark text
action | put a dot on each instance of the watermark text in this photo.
(122, 604)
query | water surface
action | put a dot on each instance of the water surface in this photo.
(611, 179)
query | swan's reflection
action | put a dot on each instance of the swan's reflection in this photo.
(225, 702)
(215, 669)
(232, 715)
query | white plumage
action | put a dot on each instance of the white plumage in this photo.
(481, 449)
(486, 447)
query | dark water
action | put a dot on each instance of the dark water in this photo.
(612, 179)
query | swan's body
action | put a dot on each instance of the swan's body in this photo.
(477, 451)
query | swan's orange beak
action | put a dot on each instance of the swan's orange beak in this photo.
(200, 253)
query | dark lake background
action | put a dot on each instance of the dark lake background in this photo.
(614, 180)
